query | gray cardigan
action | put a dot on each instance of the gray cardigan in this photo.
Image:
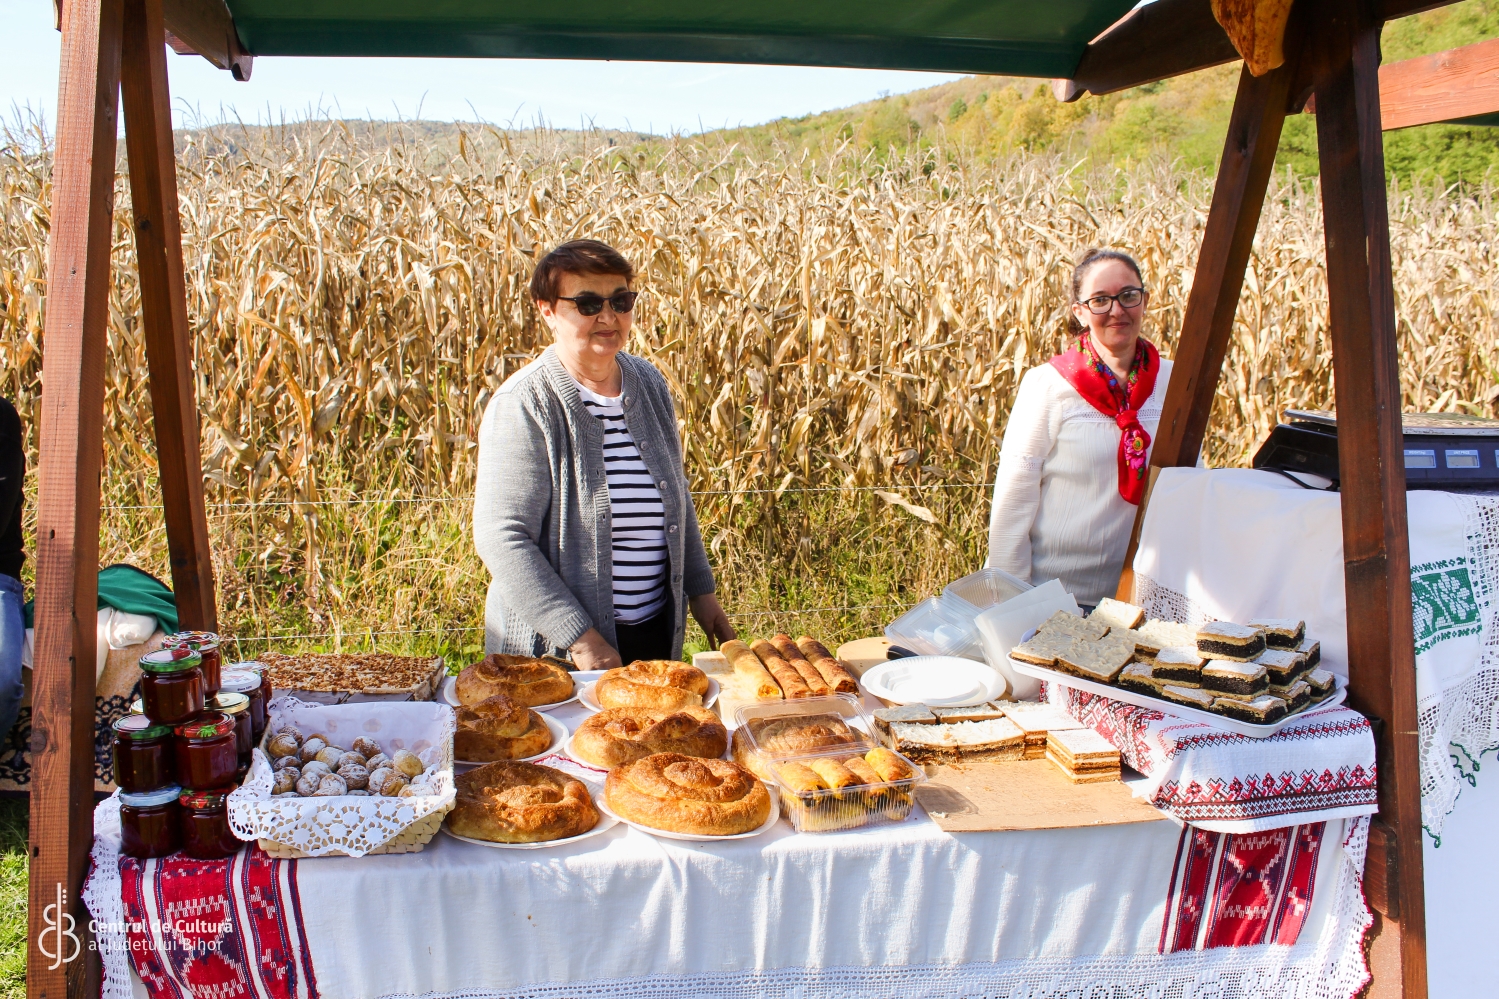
(541, 507)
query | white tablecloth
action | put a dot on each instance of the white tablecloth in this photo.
(1238, 543)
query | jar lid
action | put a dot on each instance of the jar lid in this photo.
(208, 725)
(173, 659)
(140, 727)
(241, 681)
(230, 703)
(193, 640)
(250, 666)
(212, 798)
(138, 706)
(150, 799)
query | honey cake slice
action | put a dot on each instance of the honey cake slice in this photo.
(1140, 677)
(1231, 678)
(1035, 721)
(1297, 695)
(1083, 755)
(1101, 660)
(1322, 682)
(997, 740)
(1192, 697)
(1063, 623)
(1180, 664)
(1226, 640)
(1263, 710)
(1283, 665)
(1153, 636)
(987, 711)
(1311, 651)
(1043, 649)
(1117, 614)
(1280, 632)
(908, 714)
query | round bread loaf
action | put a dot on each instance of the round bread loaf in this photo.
(652, 683)
(513, 802)
(526, 681)
(790, 736)
(683, 794)
(497, 728)
(616, 736)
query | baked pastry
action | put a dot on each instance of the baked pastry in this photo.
(1153, 636)
(1178, 664)
(1043, 649)
(1035, 720)
(1311, 651)
(988, 711)
(616, 736)
(1280, 632)
(833, 772)
(1297, 695)
(888, 765)
(799, 778)
(1063, 623)
(790, 681)
(1230, 678)
(1192, 697)
(652, 683)
(1117, 614)
(683, 794)
(1100, 660)
(1322, 682)
(833, 673)
(497, 728)
(1083, 755)
(998, 740)
(751, 671)
(1261, 710)
(799, 734)
(513, 802)
(1141, 678)
(793, 655)
(526, 681)
(1226, 640)
(1283, 665)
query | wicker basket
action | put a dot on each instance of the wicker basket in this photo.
(413, 839)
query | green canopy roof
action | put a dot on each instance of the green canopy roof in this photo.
(1042, 38)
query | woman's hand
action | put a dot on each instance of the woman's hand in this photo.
(592, 652)
(711, 618)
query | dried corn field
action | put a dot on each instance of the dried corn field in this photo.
(844, 336)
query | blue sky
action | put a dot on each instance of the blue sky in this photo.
(659, 97)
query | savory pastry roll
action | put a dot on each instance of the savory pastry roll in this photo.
(793, 655)
(835, 773)
(791, 682)
(833, 672)
(866, 774)
(799, 778)
(888, 765)
(749, 669)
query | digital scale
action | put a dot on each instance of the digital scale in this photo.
(1442, 450)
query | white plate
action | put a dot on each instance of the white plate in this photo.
(1164, 706)
(449, 694)
(775, 813)
(937, 681)
(560, 735)
(606, 822)
(589, 698)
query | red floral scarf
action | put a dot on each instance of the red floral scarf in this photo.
(1097, 383)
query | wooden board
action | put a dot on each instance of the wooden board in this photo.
(1025, 794)
(863, 653)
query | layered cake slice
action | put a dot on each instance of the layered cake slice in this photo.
(1083, 755)
(1035, 720)
(1262, 710)
(906, 714)
(1117, 614)
(1063, 623)
(1226, 640)
(1180, 664)
(1311, 651)
(1140, 677)
(1153, 636)
(999, 739)
(1322, 682)
(1284, 666)
(1192, 697)
(1101, 660)
(1230, 678)
(1297, 695)
(1043, 649)
(1280, 632)
(978, 712)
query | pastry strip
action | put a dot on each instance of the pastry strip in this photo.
(792, 684)
(833, 673)
(793, 655)
(861, 769)
(836, 774)
(748, 667)
(889, 766)
(799, 778)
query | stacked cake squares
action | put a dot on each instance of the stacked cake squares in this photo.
(1084, 756)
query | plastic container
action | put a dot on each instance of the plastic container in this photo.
(756, 747)
(207, 751)
(237, 706)
(143, 760)
(986, 588)
(938, 626)
(252, 685)
(172, 685)
(834, 809)
(206, 644)
(150, 824)
(205, 824)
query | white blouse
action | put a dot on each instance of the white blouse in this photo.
(1057, 511)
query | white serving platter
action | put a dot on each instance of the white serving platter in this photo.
(449, 694)
(588, 695)
(775, 813)
(560, 736)
(937, 681)
(1164, 706)
(606, 822)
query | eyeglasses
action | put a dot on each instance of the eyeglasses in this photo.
(589, 304)
(1101, 305)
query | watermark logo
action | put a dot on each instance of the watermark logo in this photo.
(58, 926)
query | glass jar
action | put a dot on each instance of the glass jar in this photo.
(150, 823)
(142, 755)
(242, 681)
(138, 706)
(206, 644)
(263, 671)
(172, 685)
(237, 706)
(205, 824)
(207, 751)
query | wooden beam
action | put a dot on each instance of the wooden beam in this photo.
(1458, 83)
(1238, 195)
(169, 345)
(206, 27)
(1376, 541)
(67, 543)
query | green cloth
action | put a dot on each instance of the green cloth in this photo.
(1001, 37)
(132, 590)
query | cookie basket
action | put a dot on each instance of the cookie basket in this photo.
(294, 827)
(840, 809)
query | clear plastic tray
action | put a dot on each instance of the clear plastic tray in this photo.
(838, 809)
(938, 626)
(752, 720)
(986, 588)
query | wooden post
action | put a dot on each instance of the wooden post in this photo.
(1376, 542)
(1238, 195)
(169, 347)
(67, 544)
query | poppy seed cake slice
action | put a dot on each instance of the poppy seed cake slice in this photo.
(1261, 711)
(1311, 651)
(1140, 677)
(1179, 664)
(1192, 697)
(1226, 640)
(1322, 683)
(1153, 636)
(1297, 695)
(1283, 665)
(1280, 632)
(1230, 678)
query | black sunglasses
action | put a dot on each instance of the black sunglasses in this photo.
(589, 304)
(1101, 305)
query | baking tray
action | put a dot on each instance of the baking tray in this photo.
(1180, 710)
(423, 690)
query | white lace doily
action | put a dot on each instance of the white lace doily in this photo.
(106, 905)
(347, 825)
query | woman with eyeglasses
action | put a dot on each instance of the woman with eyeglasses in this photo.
(1073, 466)
(581, 509)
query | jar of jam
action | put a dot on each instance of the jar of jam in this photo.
(205, 824)
(242, 681)
(142, 755)
(237, 706)
(150, 823)
(172, 685)
(207, 751)
(206, 644)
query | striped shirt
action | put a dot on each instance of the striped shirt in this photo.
(638, 520)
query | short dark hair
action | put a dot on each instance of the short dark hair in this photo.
(576, 256)
(1091, 256)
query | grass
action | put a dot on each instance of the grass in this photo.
(14, 817)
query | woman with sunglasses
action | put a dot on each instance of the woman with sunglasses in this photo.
(1073, 465)
(581, 508)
